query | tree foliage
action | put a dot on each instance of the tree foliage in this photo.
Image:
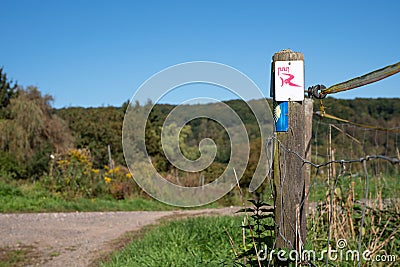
(31, 131)
(7, 91)
(96, 129)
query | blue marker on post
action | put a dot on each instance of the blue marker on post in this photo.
(281, 115)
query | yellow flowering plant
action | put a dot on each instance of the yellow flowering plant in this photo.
(119, 182)
(72, 175)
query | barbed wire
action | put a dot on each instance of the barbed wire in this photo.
(355, 126)
(320, 92)
(341, 162)
(323, 114)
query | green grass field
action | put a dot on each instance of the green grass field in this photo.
(384, 187)
(200, 241)
(30, 197)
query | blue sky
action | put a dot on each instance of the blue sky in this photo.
(97, 53)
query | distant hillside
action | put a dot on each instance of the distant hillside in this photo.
(95, 128)
(381, 111)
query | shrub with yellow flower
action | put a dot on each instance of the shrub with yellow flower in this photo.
(119, 182)
(72, 175)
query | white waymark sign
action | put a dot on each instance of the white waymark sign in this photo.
(289, 80)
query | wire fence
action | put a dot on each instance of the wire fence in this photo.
(353, 195)
(359, 166)
(354, 192)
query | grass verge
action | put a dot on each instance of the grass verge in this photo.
(200, 241)
(33, 198)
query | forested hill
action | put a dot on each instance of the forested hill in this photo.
(384, 112)
(96, 128)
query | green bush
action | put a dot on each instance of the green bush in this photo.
(9, 190)
(9, 166)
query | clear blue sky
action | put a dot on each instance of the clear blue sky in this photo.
(97, 53)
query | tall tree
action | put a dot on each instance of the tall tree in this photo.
(7, 91)
(31, 131)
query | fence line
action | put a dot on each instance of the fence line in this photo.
(323, 114)
(342, 162)
(291, 159)
(320, 92)
(365, 157)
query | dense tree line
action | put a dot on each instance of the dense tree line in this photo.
(366, 133)
(379, 111)
(31, 130)
(94, 128)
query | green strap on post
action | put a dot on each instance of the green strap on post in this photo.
(363, 80)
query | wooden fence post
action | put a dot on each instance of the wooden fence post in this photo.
(308, 112)
(289, 172)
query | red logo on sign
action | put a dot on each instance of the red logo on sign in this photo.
(286, 80)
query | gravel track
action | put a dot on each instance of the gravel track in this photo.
(77, 238)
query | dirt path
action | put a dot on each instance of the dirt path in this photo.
(74, 239)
